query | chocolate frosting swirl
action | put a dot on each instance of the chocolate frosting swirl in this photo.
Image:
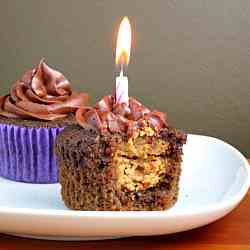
(42, 93)
(112, 117)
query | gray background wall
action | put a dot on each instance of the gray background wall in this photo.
(191, 58)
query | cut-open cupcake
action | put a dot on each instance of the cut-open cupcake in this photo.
(119, 157)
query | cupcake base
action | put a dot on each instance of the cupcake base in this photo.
(106, 172)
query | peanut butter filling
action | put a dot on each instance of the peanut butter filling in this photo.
(140, 174)
(141, 162)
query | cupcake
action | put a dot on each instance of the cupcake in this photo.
(37, 108)
(119, 157)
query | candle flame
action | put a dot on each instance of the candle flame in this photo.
(123, 46)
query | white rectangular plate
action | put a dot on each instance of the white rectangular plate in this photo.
(214, 180)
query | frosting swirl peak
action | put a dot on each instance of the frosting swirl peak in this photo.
(112, 117)
(42, 93)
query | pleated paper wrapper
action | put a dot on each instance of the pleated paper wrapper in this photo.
(27, 154)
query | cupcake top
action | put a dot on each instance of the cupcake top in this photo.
(132, 119)
(41, 94)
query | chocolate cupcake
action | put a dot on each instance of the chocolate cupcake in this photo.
(119, 157)
(38, 107)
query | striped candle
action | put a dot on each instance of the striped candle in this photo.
(121, 89)
(122, 59)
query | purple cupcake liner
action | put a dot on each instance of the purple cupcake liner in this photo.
(27, 154)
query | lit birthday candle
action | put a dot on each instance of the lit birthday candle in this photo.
(122, 59)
